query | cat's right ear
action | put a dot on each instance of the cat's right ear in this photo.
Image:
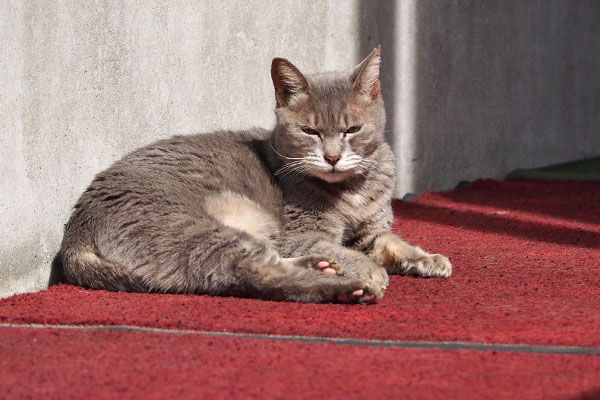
(290, 85)
(366, 76)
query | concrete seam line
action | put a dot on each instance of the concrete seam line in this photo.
(444, 345)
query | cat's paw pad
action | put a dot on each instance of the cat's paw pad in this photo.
(430, 265)
(366, 294)
(325, 264)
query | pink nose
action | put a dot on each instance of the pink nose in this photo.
(333, 159)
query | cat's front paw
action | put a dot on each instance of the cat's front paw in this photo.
(399, 257)
(427, 265)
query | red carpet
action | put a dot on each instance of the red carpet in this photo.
(141, 365)
(526, 258)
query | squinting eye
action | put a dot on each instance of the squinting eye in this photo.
(309, 131)
(353, 129)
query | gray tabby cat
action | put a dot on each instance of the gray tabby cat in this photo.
(300, 213)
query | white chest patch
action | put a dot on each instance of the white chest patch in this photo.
(357, 200)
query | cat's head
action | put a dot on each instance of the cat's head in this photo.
(328, 125)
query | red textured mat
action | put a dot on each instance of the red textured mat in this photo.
(110, 365)
(526, 258)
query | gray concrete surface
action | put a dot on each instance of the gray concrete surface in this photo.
(473, 88)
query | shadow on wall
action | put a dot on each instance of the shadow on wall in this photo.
(464, 87)
(478, 89)
(502, 85)
(378, 27)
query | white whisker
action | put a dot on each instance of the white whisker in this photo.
(295, 168)
(368, 165)
(289, 167)
(282, 156)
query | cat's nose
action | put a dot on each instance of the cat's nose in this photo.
(332, 159)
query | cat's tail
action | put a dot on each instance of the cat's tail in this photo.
(83, 266)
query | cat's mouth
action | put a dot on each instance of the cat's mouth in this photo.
(332, 174)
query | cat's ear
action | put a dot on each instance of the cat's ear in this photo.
(366, 76)
(290, 84)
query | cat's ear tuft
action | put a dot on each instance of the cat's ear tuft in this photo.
(289, 82)
(366, 76)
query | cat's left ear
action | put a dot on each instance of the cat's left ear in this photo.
(366, 76)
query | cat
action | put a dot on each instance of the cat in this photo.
(300, 213)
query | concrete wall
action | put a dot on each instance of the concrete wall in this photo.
(504, 85)
(473, 88)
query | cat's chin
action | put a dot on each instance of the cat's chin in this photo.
(332, 176)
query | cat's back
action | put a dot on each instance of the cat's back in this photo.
(217, 158)
(211, 161)
(183, 171)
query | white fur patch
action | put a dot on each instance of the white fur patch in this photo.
(238, 211)
(358, 200)
(88, 257)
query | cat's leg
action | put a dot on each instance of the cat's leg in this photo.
(399, 257)
(248, 267)
(375, 239)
